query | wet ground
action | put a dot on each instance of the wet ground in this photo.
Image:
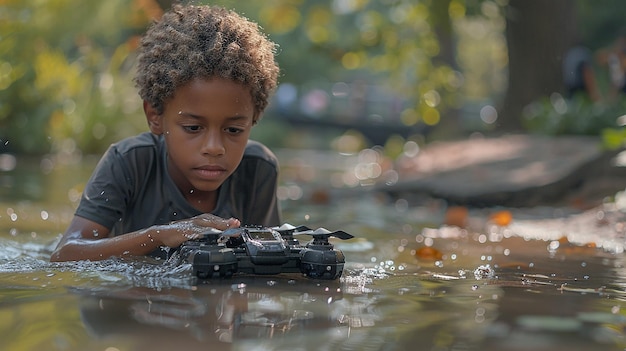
(513, 170)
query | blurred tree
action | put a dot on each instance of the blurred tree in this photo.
(537, 34)
(66, 65)
(407, 47)
(60, 62)
(600, 21)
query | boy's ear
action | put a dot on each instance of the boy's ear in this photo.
(154, 118)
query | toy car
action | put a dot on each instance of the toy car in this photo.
(263, 250)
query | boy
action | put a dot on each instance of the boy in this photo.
(205, 75)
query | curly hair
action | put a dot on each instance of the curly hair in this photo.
(192, 42)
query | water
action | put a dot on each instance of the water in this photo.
(522, 286)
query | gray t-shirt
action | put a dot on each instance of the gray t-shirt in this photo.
(131, 189)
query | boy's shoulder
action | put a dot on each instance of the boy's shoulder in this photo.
(144, 141)
(256, 150)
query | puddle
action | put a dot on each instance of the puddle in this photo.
(551, 279)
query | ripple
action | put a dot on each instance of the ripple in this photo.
(31, 258)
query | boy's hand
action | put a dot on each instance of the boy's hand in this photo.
(178, 232)
(208, 220)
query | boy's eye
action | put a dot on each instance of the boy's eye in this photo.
(192, 128)
(234, 130)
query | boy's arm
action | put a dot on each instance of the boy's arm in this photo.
(88, 240)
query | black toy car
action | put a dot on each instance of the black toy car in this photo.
(263, 250)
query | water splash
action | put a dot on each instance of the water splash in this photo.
(32, 260)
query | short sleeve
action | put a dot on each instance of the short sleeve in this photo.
(105, 197)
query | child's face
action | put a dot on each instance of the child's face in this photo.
(206, 127)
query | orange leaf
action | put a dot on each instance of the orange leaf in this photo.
(502, 218)
(457, 216)
(428, 253)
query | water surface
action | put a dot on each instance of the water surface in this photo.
(553, 279)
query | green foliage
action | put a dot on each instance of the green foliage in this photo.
(66, 65)
(389, 43)
(60, 64)
(614, 138)
(601, 21)
(556, 115)
(66, 77)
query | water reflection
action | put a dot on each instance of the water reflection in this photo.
(215, 313)
(134, 305)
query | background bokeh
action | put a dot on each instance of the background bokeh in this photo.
(365, 72)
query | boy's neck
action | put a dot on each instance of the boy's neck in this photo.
(203, 201)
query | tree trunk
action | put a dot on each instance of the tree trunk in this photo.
(538, 33)
(448, 127)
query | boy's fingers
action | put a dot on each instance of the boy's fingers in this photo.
(209, 220)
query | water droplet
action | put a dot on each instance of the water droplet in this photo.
(554, 245)
(483, 272)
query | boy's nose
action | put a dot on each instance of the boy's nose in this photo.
(213, 144)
